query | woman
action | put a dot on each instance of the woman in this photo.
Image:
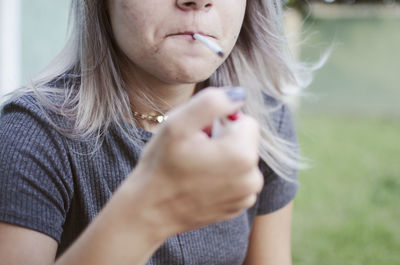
(76, 187)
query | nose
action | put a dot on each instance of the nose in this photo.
(187, 5)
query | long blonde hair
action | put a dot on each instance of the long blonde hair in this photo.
(84, 83)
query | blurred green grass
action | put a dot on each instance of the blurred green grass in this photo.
(347, 210)
(348, 207)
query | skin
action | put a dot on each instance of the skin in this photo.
(155, 38)
(163, 196)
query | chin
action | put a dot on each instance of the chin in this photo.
(193, 78)
(191, 73)
(186, 78)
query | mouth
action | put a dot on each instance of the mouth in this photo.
(190, 34)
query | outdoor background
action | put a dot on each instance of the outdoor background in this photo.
(347, 210)
(348, 207)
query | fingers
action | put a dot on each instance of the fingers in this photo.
(203, 109)
(245, 127)
(237, 194)
(249, 184)
(249, 194)
(247, 202)
(238, 207)
(240, 146)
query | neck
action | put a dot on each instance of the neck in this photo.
(163, 95)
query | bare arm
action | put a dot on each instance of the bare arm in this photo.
(113, 238)
(270, 239)
(124, 232)
(19, 245)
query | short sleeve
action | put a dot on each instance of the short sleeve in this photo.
(278, 192)
(35, 178)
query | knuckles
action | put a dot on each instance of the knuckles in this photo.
(250, 201)
(246, 203)
(243, 158)
(171, 131)
(253, 128)
(248, 160)
(253, 183)
(210, 98)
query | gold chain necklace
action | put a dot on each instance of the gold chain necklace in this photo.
(153, 118)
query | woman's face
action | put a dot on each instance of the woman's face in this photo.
(156, 35)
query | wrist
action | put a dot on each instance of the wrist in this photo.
(136, 207)
(120, 234)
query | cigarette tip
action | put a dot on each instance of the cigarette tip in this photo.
(221, 54)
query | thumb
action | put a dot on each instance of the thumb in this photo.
(206, 106)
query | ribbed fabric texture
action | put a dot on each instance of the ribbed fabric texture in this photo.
(54, 185)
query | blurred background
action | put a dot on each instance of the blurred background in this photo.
(348, 207)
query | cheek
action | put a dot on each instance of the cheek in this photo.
(232, 23)
(131, 26)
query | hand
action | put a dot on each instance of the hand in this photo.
(192, 180)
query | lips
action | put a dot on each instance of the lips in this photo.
(190, 33)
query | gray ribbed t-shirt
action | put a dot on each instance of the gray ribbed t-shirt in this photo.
(56, 186)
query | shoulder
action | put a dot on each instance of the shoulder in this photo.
(28, 133)
(24, 106)
(21, 102)
(21, 116)
(26, 127)
(36, 184)
(29, 109)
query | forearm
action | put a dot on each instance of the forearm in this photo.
(116, 236)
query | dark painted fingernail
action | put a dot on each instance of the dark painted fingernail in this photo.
(236, 94)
